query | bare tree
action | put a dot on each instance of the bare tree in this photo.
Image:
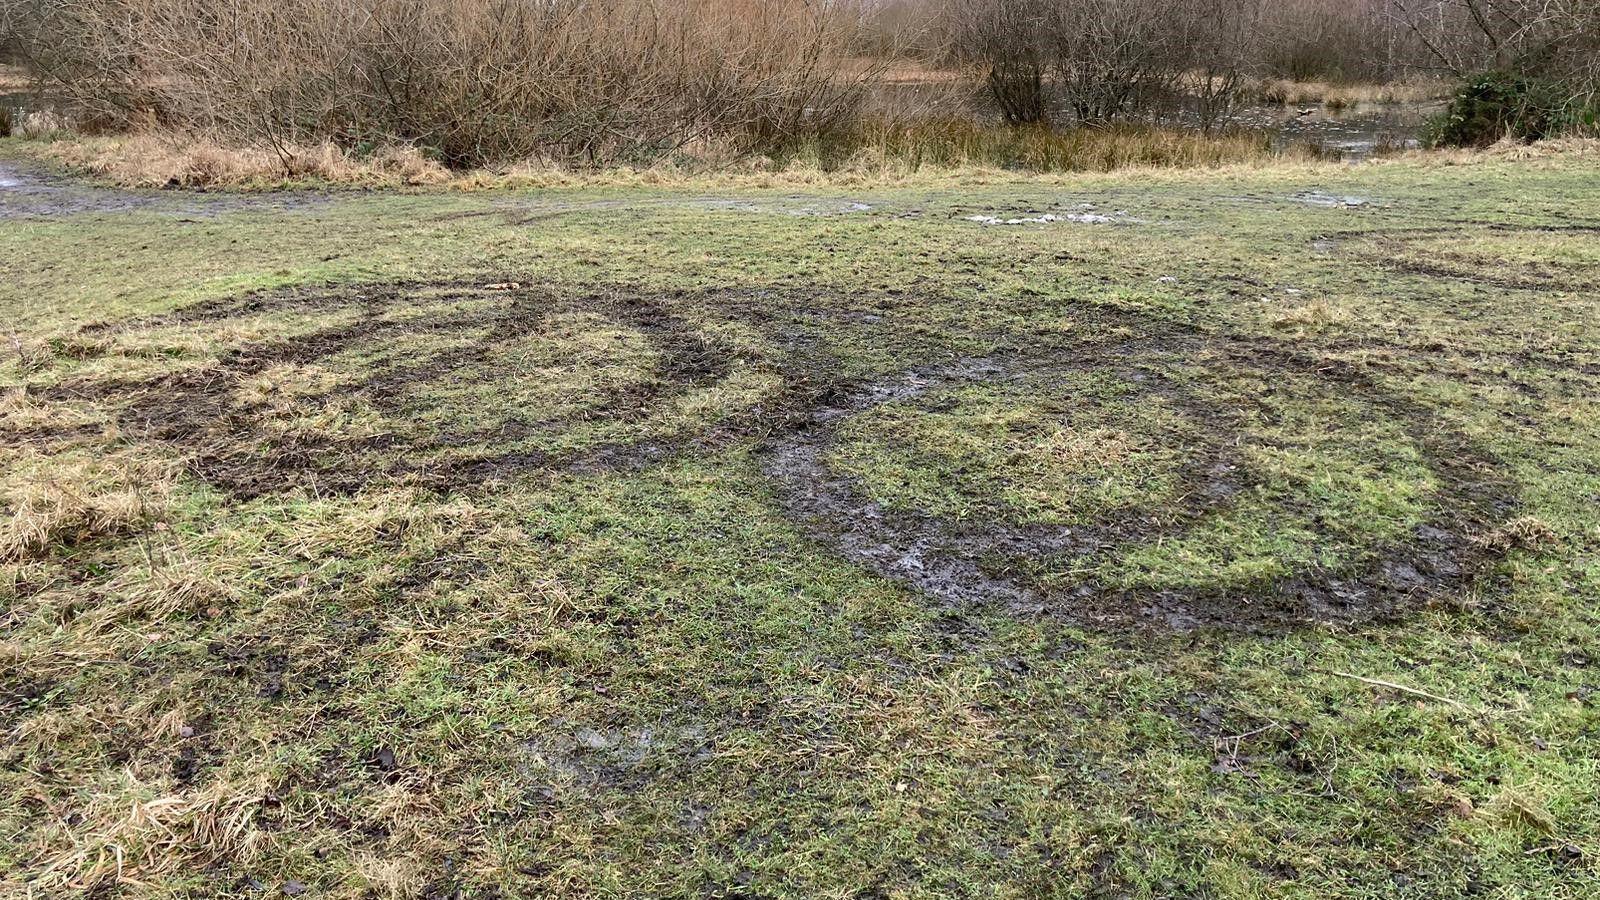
(1109, 56)
(1222, 39)
(1100, 57)
(1554, 39)
(1007, 37)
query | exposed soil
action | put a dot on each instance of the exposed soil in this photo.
(1392, 250)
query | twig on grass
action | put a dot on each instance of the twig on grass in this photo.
(1415, 692)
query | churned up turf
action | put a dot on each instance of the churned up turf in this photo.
(1223, 534)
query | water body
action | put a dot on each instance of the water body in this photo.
(1352, 133)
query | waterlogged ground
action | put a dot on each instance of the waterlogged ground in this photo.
(1223, 535)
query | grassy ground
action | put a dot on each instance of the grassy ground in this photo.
(1230, 534)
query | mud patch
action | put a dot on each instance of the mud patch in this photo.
(580, 759)
(798, 206)
(1331, 201)
(1127, 563)
(1229, 523)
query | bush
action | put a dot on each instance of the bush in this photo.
(473, 82)
(1102, 59)
(1496, 105)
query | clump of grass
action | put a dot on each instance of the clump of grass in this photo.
(23, 412)
(39, 124)
(176, 159)
(1338, 96)
(50, 501)
(1312, 316)
(1523, 533)
(141, 827)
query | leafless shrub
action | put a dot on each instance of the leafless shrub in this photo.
(1007, 37)
(1103, 57)
(1555, 40)
(1110, 56)
(475, 82)
(1334, 40)
(1222, 40)
(909, 29)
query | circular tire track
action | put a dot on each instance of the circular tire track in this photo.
(230, 447)
(961, 563)
(796, 427)
(1394, 250)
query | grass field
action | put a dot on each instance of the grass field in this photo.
(1219, 534)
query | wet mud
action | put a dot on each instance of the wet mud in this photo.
(1399, 251)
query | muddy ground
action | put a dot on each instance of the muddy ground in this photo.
(230, 443)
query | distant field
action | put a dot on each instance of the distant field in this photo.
(1223, 534)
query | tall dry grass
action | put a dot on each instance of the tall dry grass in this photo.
(893, 146)
(1337, 95)
(868, 148)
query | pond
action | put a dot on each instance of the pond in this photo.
(1352, 133)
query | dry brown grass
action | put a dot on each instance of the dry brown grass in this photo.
(963, 144)
(1550, 150)
(49, 500)
(13, 78)
(1312, 316)
(161, 159)
(883, 154)
(39, 123)
(143, 831)
(1340, 96)
(873, 150)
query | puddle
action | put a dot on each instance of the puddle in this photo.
(1333, 201)
(31, 192)
(1084, 216)
(1351, 133)
(789, 206)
